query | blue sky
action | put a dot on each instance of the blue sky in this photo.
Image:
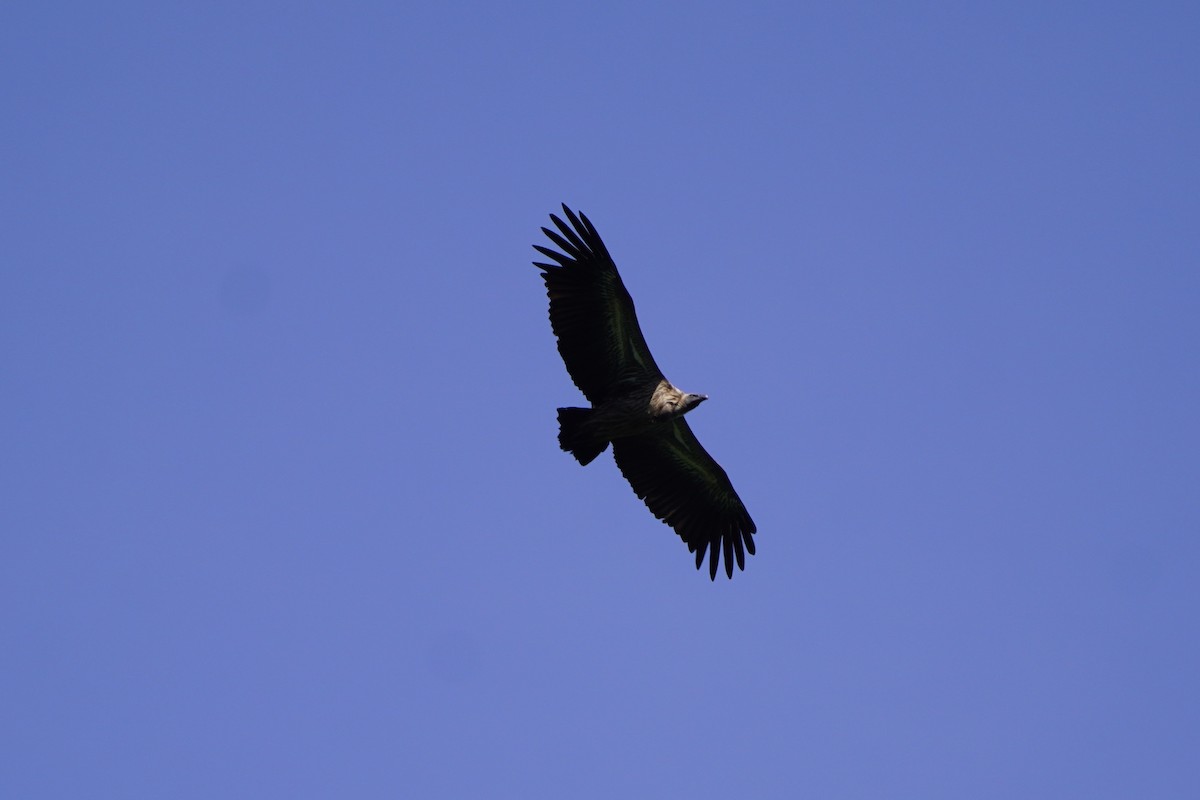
(283, 512)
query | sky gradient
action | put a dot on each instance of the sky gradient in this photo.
(282, 510)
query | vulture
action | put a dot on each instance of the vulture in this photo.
(633, 406)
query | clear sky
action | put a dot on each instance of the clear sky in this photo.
(282, 512)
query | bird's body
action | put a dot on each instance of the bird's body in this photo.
(639, 408)
(634, 406)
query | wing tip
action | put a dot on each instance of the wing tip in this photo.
(731, 548)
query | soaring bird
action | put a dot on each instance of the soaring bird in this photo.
(634, 406)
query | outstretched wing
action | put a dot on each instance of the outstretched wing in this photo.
(591, 312)
(685, 488)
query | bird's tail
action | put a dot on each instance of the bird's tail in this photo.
(573, 438)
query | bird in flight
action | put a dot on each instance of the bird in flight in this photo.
(634, 407)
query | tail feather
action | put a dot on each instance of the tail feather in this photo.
(573, 439)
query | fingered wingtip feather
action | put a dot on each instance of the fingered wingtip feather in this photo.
(570, 233)
(548, 253)
(568, 247)
(571, 215)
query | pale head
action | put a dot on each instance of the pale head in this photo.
(690, 401)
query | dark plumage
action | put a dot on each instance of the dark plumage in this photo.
(633, 405)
